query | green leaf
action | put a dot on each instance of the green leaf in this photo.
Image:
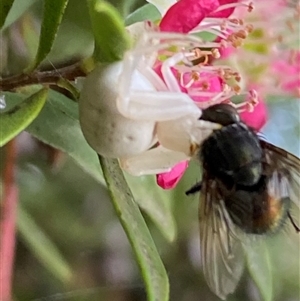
(5, 7)
(155, 202)
(124, 7)
(19, 117)
(53, 12)
(111, 38)
(146, 12)
(16, 11)
(42, 246)
(259, 266)
(148, 259)
(78, 45)
(58, 126)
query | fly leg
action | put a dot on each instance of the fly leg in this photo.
(293, 223)
(194, 189)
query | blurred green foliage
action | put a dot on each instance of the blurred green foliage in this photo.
(70, 245)
(74, 211)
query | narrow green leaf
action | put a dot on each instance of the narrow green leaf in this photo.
(155, 202)
(111, 38)
(19, 117)
(148, 259)
(42, 246)
(5, 7)
(53, 12)
(146, 12)
(259, 266)
(16, 11)
(58, 126)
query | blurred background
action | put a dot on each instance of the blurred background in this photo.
(70, 244)
(73, 211)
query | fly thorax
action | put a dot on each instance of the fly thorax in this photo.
(233, 154)
(248, 175)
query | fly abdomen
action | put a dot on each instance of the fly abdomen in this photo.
(256, 211)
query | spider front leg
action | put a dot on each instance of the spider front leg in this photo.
(164, 101)
(182, 144)
(154, 161)
(185, 134)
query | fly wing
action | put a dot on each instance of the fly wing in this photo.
(221, 251)
(283, 170)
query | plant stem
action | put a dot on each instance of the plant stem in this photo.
(8, 223)
(43, 77)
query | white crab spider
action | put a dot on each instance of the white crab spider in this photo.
(126, 108)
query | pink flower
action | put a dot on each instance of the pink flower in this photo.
(169, 180)
(258, 117)
(273, 63)
(287, 71)
(185, 15)
(202, 87)
(224, 12)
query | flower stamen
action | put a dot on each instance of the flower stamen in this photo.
(248, 5)
(201, 57)
(194, 76)
(232, 31)
(249, 104)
